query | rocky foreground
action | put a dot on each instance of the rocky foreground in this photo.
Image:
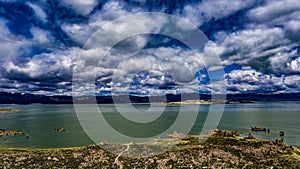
(221, 150)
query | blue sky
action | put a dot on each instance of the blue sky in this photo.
(258, 42)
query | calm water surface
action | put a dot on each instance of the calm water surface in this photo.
(39, 122)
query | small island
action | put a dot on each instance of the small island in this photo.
(186, 102)
(9, 110)
(4, 132)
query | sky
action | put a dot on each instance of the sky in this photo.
(43, 42)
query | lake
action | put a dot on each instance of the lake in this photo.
(39, 121)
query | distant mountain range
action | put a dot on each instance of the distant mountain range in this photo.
(24, 98)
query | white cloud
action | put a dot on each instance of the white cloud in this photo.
(261, 42)
(213, 9)
(111, 11)
(274, 9)
(250, 80)
(294, 65)
(249, 44)
(282, 62)
(83, 7)
(164, 65)
(41, 36)
(53, 65)
(78, 32)
(123, 62)
(39, 12)
(182, 65)
(10, 44)
(213, 51)
(254, 47)
(292, 29)
(293, 82)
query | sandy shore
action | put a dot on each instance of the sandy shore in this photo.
(9, 110)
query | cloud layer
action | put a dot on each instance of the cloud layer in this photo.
(43, 43)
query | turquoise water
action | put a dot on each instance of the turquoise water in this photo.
(39, 122)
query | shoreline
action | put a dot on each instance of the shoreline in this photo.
(173, 137)
(221, 149)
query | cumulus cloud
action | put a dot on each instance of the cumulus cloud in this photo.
(285, 14)
(273, 10)
(292, 29)
(39, 12)
(285, 62)
(44, 67)
(265, 49)
(269, 41)
(294, 65)
(14, 48)
(182, 65)
(112, 10)
(164, 66)
(42, 58)
(213, 9)
(19, 69)
(41, 36)
(251, 81)
(120, 61)
(82, 7)
(10, 44)
(293, 82)
(80, 32)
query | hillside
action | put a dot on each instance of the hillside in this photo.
(221, 150)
